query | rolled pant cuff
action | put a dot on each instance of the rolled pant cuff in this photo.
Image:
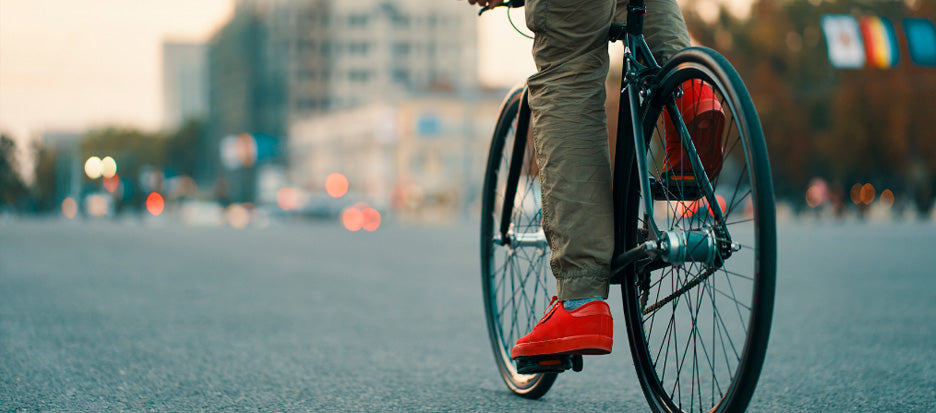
(584, 285)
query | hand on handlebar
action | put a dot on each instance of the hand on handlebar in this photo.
(489, 4)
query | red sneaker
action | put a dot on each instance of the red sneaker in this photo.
(585, 330)
(705, 121)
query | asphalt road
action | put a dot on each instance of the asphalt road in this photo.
(101, 316)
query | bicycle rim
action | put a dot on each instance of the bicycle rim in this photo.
(515, 279)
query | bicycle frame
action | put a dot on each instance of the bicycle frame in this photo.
(636, 80)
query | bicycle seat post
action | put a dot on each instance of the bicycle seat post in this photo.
(635, 17)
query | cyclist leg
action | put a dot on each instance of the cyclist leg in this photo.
(569, 128)
(567, 99)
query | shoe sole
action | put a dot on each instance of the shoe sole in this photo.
(586, 345)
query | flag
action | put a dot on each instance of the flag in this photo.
(921, 40)
(880, 42)
(843, 39)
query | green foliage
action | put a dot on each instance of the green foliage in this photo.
(44, 186)
(848, 126)
(182, 147)
(131, 148)
(12, 189)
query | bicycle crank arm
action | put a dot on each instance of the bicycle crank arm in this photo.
(646, 251)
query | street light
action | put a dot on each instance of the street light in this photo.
(94, 168)
(108, 167)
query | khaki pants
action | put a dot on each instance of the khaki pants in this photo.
(567, 99)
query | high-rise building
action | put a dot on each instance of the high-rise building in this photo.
(382, 50)
(309, 56)
(185, 82)
(278, 61)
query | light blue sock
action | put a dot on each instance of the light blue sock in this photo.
(570, 305)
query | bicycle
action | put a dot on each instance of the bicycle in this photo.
(695, 255)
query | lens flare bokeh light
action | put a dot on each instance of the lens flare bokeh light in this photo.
(867, 194)
(887, 198)
(69, 208)
(371, 219)
(287, 199)
(155, 203)
(336, 185)
(352, 219)
(721, 205)
(238, 215)
(111, 183)
(108, 167)
(93, 167)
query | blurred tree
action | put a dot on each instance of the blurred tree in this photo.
(182, 147)
(12, 189)
(134, 150)
(131, 148)
(867, 125)
(44, 187)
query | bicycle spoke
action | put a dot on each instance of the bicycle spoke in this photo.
(737, 274)
(682, 290)
(746, 307)
(740, 317)
(740, 222)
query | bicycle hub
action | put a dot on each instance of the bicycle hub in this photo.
(679, 246)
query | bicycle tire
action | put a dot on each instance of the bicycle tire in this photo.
(701, 306)
(515, 275)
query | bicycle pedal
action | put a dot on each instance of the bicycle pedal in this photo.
(672, 187)
(548, 364)
(577, 363)
(543, 364)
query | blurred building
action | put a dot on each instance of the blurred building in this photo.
(185, 82)
(278, 61)
(423, 156)
(68, 163)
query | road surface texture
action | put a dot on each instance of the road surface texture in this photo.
(110, 316)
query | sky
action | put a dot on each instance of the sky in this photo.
(67, 64)
(70, 65)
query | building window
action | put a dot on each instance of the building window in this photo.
(401, 22)
(358, 48)
(329, 49)
(307, 46)
(357, 20)
(401, 76)
(401, 49)
(359, 76)
(307, 104)
(306, 75)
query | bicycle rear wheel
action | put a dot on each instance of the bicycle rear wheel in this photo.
(515, 274)
(698, 329)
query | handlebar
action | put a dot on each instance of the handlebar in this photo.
(513, 4)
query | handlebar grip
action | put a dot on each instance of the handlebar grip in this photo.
(513, 4)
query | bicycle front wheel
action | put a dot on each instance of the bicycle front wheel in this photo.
(698, 328)
(515, 274)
